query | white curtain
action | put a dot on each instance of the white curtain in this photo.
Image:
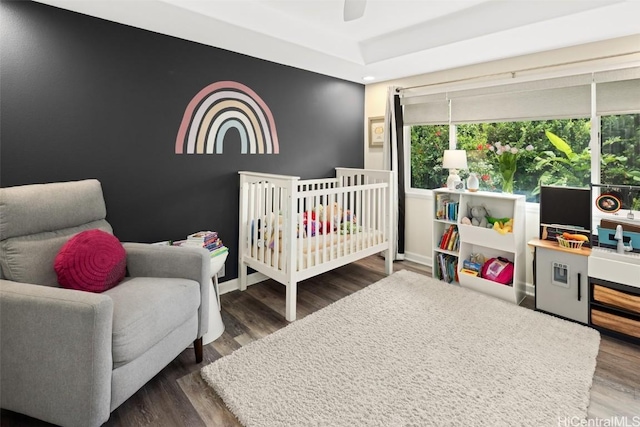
(393, 152)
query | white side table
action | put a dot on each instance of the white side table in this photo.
(216, 327)
(216, 265)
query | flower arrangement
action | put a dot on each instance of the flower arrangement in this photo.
(506, 156)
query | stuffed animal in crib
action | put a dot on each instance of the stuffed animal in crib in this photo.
(350, 217)
(309, 223)
(333, 213)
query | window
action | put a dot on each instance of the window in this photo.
(554, 116)
(620, 149)
(544, 165)
(428, 143)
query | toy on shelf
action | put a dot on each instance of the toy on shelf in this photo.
(478, 216)
(503, 227)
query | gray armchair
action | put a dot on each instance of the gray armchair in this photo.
(71, 357)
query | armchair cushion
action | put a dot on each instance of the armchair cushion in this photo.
(92, 261)
(29, 259)
(146, 310)
(36, 220)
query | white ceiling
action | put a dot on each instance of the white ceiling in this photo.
(394, 38)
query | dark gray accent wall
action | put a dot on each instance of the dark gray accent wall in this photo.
(83, 97)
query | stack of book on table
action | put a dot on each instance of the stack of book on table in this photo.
(205, 239)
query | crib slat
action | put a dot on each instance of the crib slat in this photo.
(351, 204)
(369, 221)
(252, 223)
(265, 220)
(356, 220)
(345, 203)
(302, 232)
(316, 241)
(384, 217)
(309, 231)
(280, 228)
(270, 221)
(326, 230)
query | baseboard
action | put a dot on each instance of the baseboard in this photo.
(530, 290)
(234, 284)
(418, 259)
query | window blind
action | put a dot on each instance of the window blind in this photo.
(426, 109)
(565, 97)
(617, 92)
(570, 102)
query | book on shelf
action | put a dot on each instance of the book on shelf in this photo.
(452, 240)
(447, 266)
(454, 270)
(447, 210)
(444, 240)
(442, 275)
(441, 202)
(449, 239)
(452, 211)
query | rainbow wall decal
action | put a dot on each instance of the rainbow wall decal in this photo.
(222, 106)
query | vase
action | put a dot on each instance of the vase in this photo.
(507, 181)
(473, 183)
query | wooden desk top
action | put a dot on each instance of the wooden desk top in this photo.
(548, 244)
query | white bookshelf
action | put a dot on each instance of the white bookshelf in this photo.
(486, 241)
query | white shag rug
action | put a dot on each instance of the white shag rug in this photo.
(412, 351)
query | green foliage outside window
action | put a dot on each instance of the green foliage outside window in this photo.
(560, 155)
(620, 149)
(427, 148)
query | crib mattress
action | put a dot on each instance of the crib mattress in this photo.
(342, 245)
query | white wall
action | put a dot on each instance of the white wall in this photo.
(581, 58)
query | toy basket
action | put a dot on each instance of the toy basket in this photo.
(569, 244)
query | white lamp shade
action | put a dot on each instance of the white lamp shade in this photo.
(454, 159)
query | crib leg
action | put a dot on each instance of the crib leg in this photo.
(242, 276)
(388, 262)
(291, 298)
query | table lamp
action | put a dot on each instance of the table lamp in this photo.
(454, 160)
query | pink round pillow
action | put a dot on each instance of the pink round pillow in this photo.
(92, 261)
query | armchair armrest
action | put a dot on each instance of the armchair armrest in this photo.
(145, 260)
(55, 353)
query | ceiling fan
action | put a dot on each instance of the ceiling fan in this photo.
(354, 9)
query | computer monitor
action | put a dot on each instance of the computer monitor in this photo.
(564, 208)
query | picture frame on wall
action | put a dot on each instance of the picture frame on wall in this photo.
(376, 131)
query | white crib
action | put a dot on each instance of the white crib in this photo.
(292, 229)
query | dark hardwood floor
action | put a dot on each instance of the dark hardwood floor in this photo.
(178, 396)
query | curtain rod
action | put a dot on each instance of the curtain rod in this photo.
(513, 73)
